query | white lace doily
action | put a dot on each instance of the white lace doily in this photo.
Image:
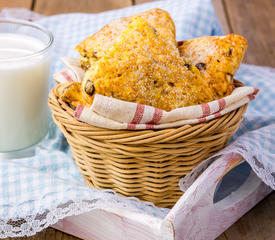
(256, 147)
(31, 224)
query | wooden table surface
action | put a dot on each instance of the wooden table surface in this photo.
(254, 19)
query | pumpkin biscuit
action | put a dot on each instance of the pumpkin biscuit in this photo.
(72, 93)
(94, 47)
(143, 67)
(217, 58)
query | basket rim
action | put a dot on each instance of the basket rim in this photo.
(67, 111)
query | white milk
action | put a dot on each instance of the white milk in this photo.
(23, 92)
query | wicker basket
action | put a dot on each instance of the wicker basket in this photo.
(143, 163)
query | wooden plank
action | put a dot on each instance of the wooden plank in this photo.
(50, 7)
(136, 2)
(222, 16)
(48, 234)
(259, 223)
(255, 20)
(222, 237)
(15, 4)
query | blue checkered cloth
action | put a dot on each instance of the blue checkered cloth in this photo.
(50, 178)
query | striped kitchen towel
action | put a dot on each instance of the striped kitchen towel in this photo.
(112, 113)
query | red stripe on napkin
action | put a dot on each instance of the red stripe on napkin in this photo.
(156, 117)
(205, 109)
(78, 111)
(217, 114)
(137, 117)
(203, 119)
(149, 126)
(67, 76)
(131, 126)
(138, 114)
(221, 103)
(253, 95)
(256, 90)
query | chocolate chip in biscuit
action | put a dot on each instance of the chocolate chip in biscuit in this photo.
(89, 88)
(229, 53)
(180, 43)
(229, 77)
(155, 31)
(95, 55)
(200, 66)
(187, 65)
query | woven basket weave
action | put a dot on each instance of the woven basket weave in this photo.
(144, 163)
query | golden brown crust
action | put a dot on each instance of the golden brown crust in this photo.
(143, 67)
(137, 59)
(217, 58)
(94, 47)
(162, 21)
(72, 93)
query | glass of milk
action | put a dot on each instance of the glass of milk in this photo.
(24, 84)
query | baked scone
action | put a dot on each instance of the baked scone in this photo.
(143, 67)
(94, 47)
(162, 22)
(217, 58)
(72, 92)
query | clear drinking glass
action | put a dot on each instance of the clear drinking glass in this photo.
(24, 84)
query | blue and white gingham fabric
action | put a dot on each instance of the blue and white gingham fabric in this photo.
(51, 178)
